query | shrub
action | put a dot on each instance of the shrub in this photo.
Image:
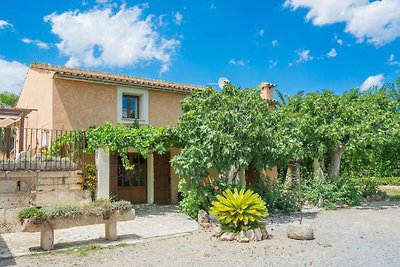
(30, 212)
(239, 210)
(378, 180)
(278, 199)
(198, 196)
(332, 192)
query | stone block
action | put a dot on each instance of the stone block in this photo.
(8, 186)
(13, 200)
(11, 216)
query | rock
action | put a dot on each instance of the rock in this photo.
(300, 231)
(320, 203)
(227, 237)
(217, 231)
(213, 218)
(250, 235)
(258, 234)
(264, 233)
(203, 219)
(241, 237)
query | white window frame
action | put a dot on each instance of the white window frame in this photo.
(143, 96)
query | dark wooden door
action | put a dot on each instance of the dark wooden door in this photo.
(251, 175)
(162, 179)
(132, 184)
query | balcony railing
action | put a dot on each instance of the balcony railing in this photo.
(41, 149)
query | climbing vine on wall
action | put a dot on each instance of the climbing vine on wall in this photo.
(118, 139)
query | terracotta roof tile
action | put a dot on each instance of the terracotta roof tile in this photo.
(115, 79)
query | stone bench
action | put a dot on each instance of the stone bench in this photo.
(46, 227)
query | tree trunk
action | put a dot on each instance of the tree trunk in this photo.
(232, 175)
(318, 166)
(336, 158)
(294, 167)
(242, 178)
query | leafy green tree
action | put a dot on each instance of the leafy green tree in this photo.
(8, 100)
(329, 124)
(225, 131)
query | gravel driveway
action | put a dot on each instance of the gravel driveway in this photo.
(361, 236)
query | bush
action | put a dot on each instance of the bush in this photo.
(278, 199)
(239, 210)
(344, 190)
(198, 197)
(367, 187)
(378, 180)
(30, 212)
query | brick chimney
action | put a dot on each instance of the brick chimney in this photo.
(267, 90)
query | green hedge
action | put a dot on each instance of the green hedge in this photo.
(378, 181)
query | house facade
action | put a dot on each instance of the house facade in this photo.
(69, 99)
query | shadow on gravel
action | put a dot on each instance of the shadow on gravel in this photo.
(152, 210)
(290, 217)
(100, 241)
(379, 205)
(6, 257)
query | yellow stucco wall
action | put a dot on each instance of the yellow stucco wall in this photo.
(79, 105)
(164, 107)
(37, 94)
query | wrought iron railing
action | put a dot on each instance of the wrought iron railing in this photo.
(41, 149)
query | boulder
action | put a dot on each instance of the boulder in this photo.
(227, 237)
(300, 231)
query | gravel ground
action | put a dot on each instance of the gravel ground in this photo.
(361, 236)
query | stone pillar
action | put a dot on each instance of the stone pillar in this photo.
(150, 179)
(267, 90)
(111, 231)
(47, 239)
(103, 173)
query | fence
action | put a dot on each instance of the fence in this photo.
(41, 149)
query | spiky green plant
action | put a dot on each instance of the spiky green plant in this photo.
(239, 210)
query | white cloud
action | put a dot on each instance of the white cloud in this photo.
(377, 22)
(272, 63)
(275, 43)
(178, 18)
(239, 62)
(372, 81)
(212, 6)
(261, 32)
(338, 40)
(12, 76)
(392, 61)
(303, 55)
(332, 53)
(38, 43)
(4, 24)
(102, 37)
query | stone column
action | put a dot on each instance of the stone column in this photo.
(103, 173)
(150, 178)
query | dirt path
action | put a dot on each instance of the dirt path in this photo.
(362, 236)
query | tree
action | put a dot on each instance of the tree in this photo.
(225, 131)
(8, 100)
(331, 124)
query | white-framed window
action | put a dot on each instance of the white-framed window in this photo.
(132, 104)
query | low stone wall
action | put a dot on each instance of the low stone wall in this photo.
(21, 189)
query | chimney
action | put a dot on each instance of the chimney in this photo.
(267, 90)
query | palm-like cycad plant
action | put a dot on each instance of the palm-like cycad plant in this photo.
(239, 210)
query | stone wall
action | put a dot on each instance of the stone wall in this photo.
(21, 189)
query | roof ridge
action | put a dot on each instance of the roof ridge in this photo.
(84, 73)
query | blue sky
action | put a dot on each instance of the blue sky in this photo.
(305, 45)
